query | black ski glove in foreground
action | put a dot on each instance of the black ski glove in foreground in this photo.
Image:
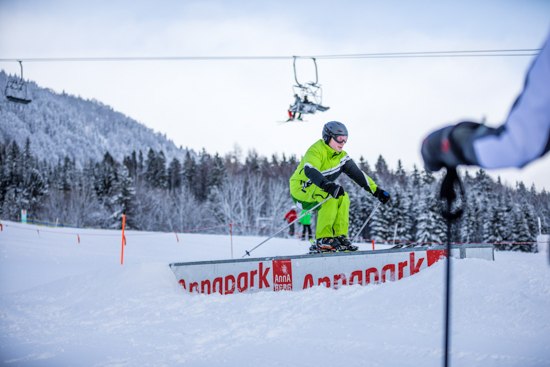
(451, 146)
(333, 189)
(382, 195)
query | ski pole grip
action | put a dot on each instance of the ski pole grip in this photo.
(451, 188)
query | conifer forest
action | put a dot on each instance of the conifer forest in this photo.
(206, 193)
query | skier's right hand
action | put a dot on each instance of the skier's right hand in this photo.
(333, 189)
(382, 195)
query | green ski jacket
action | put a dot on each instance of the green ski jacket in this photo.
(322, 164)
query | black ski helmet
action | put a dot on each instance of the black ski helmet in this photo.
(333, 129)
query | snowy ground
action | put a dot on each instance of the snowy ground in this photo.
(64, 303)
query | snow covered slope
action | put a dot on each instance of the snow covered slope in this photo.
(65, 303)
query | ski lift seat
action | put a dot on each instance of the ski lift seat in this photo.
(18, 100)
(16, 89)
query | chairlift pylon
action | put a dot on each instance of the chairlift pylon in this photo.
(16, 88)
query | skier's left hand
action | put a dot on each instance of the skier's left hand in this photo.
(382, 195)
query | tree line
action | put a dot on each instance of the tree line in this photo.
(206, 193)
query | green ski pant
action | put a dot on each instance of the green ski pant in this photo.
(332, 217)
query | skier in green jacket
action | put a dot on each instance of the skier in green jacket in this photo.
(313, 182)
(305, 221)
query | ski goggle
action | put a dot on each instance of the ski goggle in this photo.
(341, 139)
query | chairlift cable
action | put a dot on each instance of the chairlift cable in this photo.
(382, 55)
(462, 53)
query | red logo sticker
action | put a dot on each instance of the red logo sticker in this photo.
(282, 275)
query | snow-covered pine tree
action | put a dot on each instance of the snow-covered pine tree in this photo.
(125, 198)
(108, 186)
(382, 223)
(23, 185)
(361, 205)
(400, 174)
(175, 177)
(402, 214)
(155, 170)
(521, 234)
(383, 173)
(498, 224)
(189, 169)
(430, 226)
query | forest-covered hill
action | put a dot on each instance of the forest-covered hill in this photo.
(62, 125)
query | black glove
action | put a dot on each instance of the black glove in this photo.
(333, 189)
(382, 195)
(450, 146)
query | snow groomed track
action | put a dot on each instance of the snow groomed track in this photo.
(298, 272)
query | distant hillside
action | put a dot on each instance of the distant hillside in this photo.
(60, 125)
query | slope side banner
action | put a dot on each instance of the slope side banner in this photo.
(292, 273)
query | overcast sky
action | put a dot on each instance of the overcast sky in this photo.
(389, 105)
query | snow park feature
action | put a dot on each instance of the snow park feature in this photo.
(70, 303)
(300, 272)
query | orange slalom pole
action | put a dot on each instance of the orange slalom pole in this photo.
(372, 245)
(123, 242)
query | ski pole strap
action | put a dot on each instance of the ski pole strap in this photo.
(247, 253)
(364, 224)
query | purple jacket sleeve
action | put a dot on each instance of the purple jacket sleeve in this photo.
(525, 135)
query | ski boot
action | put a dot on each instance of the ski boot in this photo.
(327, 244)
(344, 244)
(314, 249)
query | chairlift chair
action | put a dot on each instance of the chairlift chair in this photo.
(309, 92)
(309, 96)
(16, 89)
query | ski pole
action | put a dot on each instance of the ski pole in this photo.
(247, 253)
(364, 224)
(451, 187)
